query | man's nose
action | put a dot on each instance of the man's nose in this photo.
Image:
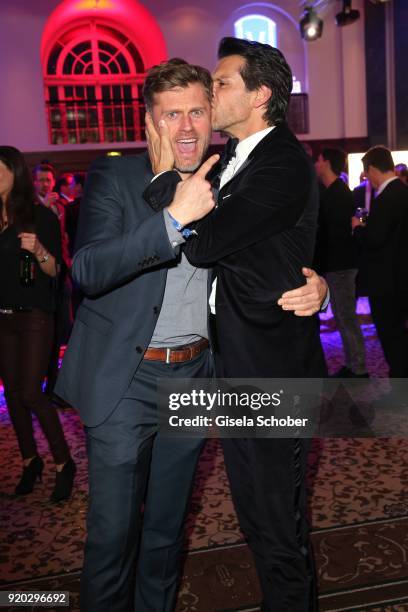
(186, 123)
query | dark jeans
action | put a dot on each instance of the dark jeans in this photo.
(25, 345)
(132, 558)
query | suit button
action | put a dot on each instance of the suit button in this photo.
(139, 349)
(156, 310)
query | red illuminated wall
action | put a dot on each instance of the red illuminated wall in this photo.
(95, 54)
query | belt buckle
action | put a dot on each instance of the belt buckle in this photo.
(168, 353)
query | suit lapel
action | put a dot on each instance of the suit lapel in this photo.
(275, 134)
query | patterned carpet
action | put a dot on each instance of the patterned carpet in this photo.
(358, 511)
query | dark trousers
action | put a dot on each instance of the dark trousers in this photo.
(63, 320)
(268, 487)
(389, 314)
(132, 558)
(25, 346)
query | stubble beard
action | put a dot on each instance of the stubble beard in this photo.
(190, 168)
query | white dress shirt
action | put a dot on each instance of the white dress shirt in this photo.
(384, 185)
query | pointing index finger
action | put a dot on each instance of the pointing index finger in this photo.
(207, 165)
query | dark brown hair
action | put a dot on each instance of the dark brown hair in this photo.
(379, 157)
(20, 202)
(174, 73)
(264, 65)
(336, 158)
(44, 168)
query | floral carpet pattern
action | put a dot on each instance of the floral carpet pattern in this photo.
(358, 501)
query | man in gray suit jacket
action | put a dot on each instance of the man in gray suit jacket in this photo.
(144, 317)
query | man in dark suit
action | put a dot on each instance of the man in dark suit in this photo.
(336, 258)
(258, 238)
(144, 316)
(383, 272)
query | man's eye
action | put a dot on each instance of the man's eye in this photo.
(197, 113)
(172, 115)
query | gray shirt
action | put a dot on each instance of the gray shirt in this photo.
(183, 315)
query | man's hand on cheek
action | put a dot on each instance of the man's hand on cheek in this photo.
(159, 145)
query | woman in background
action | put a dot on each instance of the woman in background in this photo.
(30, 253)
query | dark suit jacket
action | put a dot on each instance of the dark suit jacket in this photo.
(120, 264)
(258, 239)
(384, 243)
(71, 223)
(359, 194)
(335, 247)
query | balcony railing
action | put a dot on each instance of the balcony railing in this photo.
(92, 121)
(83, 121)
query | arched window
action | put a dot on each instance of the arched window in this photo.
(256, 27)
(93, 77)
(269, 23)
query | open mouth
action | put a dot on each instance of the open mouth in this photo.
(187, 146)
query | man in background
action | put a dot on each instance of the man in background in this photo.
(65, 186)
(336, 258)
(383, 271)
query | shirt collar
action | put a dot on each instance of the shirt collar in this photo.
(245, 147)
(384, 185)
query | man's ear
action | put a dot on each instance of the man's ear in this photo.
(263, 95)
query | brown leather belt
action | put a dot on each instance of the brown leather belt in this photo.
(176, 355)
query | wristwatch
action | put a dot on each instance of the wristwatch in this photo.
(45, 258)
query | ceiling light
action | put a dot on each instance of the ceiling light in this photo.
(311, 26)
(347, 15)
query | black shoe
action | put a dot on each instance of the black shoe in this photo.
(345, 372)
(64, 481)
(31, 473)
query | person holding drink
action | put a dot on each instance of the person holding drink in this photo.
(30, 249)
